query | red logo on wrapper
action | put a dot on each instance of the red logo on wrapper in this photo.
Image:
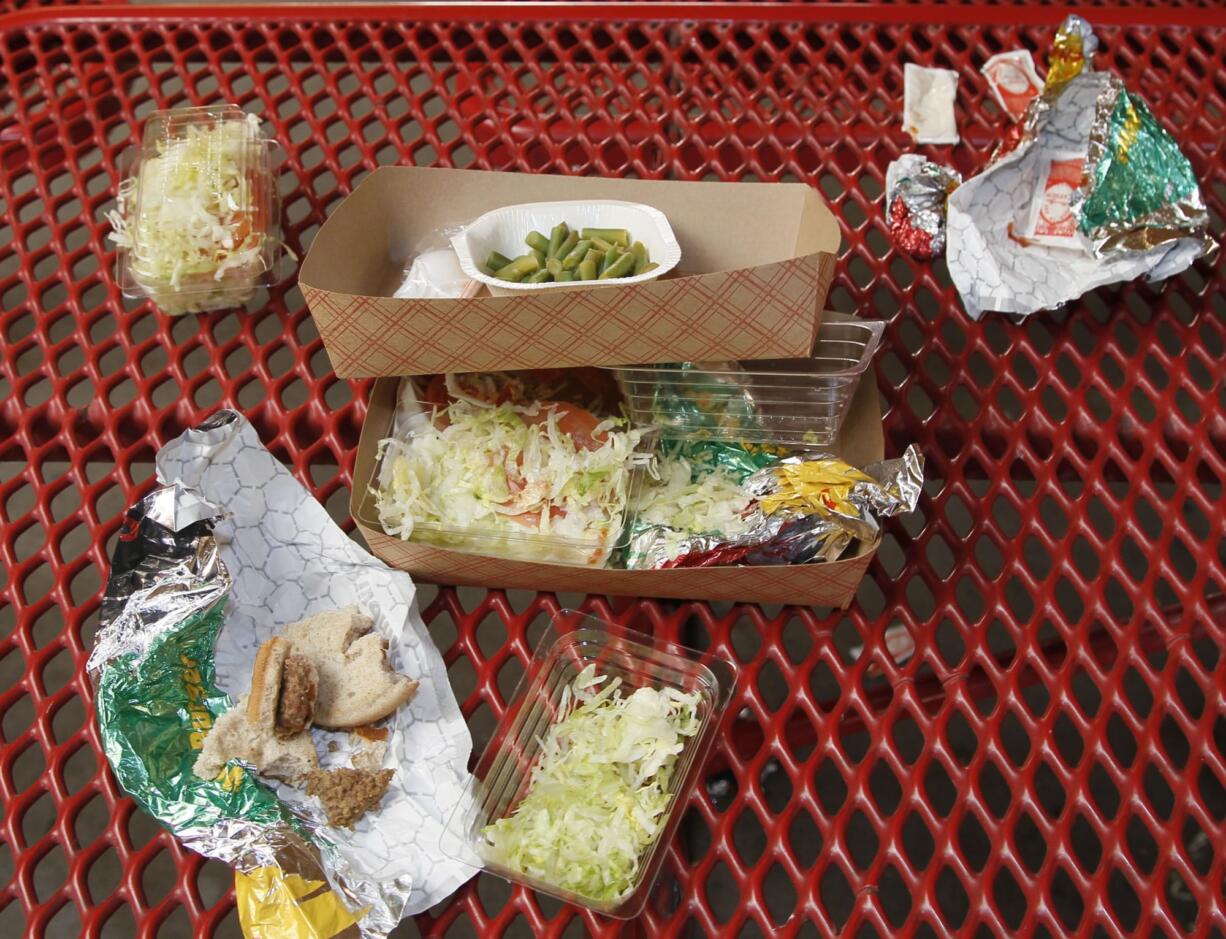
(1055, 218)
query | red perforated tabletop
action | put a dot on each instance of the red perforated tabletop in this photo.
(1050, 761)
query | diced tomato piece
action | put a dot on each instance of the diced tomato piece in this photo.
(579, 424)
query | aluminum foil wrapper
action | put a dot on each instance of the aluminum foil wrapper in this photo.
(916, 192)
(806, 508)
(1134, 210)
(192, 594)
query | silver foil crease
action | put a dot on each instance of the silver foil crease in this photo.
(165, 568)
(916, 191)
(788, 537)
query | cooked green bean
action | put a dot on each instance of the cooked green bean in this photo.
(641, 257)
(609, 258)
(556, 236)
(496, 261)
(568, 245)
(617, 236)
(619, 268)
(518, 269)
(571, 255)
(577, 254)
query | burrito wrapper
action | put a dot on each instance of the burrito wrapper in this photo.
(916, 191)
(1139, 209)
(808, 508)
(700, 400)
(186, 611)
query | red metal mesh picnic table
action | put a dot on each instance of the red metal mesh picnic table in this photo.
(1049, 760)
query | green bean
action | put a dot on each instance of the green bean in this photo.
(610, 257)
(617, 236)
(553, 267)
(537, 242)
(641, 257)
(619, 268)
(564, 277)
(496, 260)
(539, 255)
(577, 254)
(587, 268)
(539, 277)
(518, 269)
(568, 245)
(556, 236)
(647, 269)
(601, 244)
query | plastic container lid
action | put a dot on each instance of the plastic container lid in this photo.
(502, 776)
(196, 223)
(793, 402)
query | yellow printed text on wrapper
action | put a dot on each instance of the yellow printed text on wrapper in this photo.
(275, 905)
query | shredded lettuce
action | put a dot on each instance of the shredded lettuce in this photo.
(599, 794)
(191, 214)
(714, 504)
(506, 479)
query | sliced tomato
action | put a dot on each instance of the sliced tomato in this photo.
(435, 398)
(576, 422)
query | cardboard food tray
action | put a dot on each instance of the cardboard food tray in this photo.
(756, 263)
(825, 584)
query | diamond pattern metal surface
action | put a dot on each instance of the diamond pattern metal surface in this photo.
(1050, 760)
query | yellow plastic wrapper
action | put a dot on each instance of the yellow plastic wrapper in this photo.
(275, 905)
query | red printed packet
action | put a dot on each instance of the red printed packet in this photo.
(1013, 80)
(1053, 220)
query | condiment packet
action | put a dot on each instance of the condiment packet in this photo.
(928, 104)
(1015, 83)
(1053, 215)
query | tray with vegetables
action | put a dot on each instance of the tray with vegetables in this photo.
(565, 245)
(586, 775)
(197, 219)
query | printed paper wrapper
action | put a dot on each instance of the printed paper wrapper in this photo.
(1139, 210)
(207, 568)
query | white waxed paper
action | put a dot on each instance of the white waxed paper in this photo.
(289, 560)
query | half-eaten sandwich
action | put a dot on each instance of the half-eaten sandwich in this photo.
(329, 670)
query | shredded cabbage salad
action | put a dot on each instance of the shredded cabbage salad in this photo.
(509, 479)
(715, 503)
(191, 214)
(599, 793)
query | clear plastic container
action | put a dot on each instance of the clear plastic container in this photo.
(502, 776)
(790, 402)
(526, 545)
(197, 223)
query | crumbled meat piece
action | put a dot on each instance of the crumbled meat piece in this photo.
(347, 794)
(299, 686)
